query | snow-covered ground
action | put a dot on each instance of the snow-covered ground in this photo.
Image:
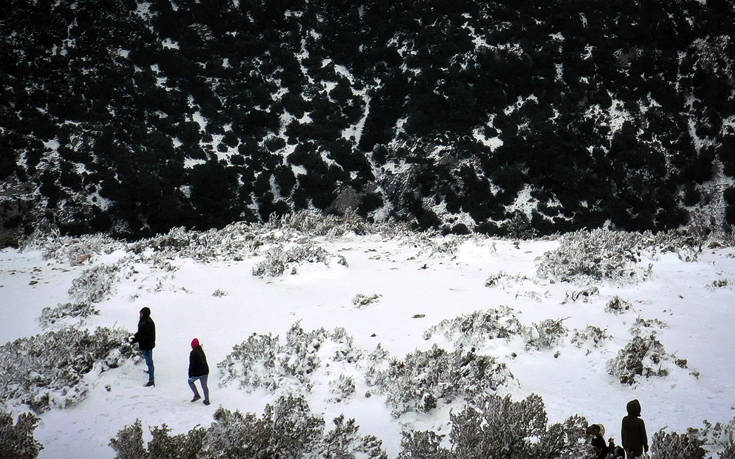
(419, 287)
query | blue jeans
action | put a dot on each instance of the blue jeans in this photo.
(203, 380)
(148, 356)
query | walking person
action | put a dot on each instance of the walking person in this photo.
(146, 339)
(198, 369)
(633, 431)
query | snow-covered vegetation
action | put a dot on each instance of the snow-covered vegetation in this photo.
(48, 371)
(465, 330)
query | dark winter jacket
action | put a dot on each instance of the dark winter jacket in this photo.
(633, 430)
(146, 335)
(601, 448)
(198, 362)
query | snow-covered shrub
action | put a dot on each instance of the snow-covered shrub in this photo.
(476, 327)
(287, 429)
(344, 441)
(235, 242)
(279, 260)
(497, 427)
(361, 300)
(47, 370)
(665, 445)
(719, 283)
(17, 440)
(501, 279)
(591, 337)
(165, 445)
(261, 360)
(581, 295)
(72, 250)
(342, 388)
(617, 305)
(95, 284)
(128, 443)
(49, 315)
(598, 254)
(718, 438)
(545, 334)
(424, 444)
(219, 293)
(641, 357)
(422, 378)
(641, 325)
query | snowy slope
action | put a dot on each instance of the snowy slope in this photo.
(421, 281)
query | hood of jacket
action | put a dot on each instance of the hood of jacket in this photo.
(634, 408)
(145, 312)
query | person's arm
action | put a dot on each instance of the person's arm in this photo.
(623, 440)
(192, 363)
(644, 437)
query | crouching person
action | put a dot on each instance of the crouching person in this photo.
(198, 369)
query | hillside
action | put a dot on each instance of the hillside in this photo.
(493, 117)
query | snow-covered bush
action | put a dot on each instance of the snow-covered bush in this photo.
(665, 445)
(287, 429)
(342, 388)
(590, 338)
(219, 293)
(545, 334)
(476, 327)
(128, 443)
(72, 250)
(165, 445)
(17, 440)
(47, 370)
(581, 295)
(617, 305)
(51, 315)
(261, 360)
(361, 300)
(502, 279)
(642, 326)
(497, 427)
(718, 438)
(598, 254)
(641, 357)
(280, 259)
(95, 284)
(423, 378)
(423, 444)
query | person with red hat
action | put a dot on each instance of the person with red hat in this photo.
(198, 369)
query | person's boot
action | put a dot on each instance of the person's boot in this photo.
(206, 402)
(149, 384)
(196, 397)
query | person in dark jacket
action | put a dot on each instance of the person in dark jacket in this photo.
(595, 433)
(146, 339)
(198, 369)
(633, 431)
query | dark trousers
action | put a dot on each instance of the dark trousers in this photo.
(148, 356)
(202, 379)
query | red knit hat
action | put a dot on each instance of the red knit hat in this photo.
(194, 342)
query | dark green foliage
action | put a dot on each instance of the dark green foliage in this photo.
(16, 440)
(123, 97)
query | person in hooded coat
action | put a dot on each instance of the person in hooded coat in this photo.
(198, 369)
(595, 432)
(633, 431)
(146, 339)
